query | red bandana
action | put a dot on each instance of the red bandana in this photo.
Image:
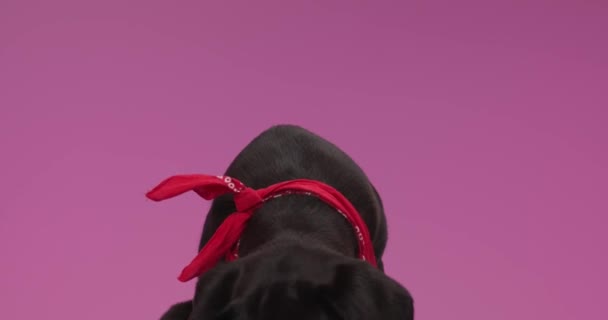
(224, 242)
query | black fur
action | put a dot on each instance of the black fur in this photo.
(297, 253)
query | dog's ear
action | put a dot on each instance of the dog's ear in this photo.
(361, 292)
(179, 311)
(214, 292)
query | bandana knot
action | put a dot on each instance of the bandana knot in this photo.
(247, 200)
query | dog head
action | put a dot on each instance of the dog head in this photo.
(298, 277)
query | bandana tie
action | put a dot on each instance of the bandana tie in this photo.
(224, 242)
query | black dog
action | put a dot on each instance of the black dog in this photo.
(297, 255)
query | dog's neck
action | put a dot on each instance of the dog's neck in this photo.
(298, 220)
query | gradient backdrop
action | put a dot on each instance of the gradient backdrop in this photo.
(483, 125)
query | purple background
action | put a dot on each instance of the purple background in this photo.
(483, 125)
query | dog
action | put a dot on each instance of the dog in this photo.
(297, 258)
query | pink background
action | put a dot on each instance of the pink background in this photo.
(483, 125)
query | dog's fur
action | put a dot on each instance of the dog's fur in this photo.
(297, 253)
